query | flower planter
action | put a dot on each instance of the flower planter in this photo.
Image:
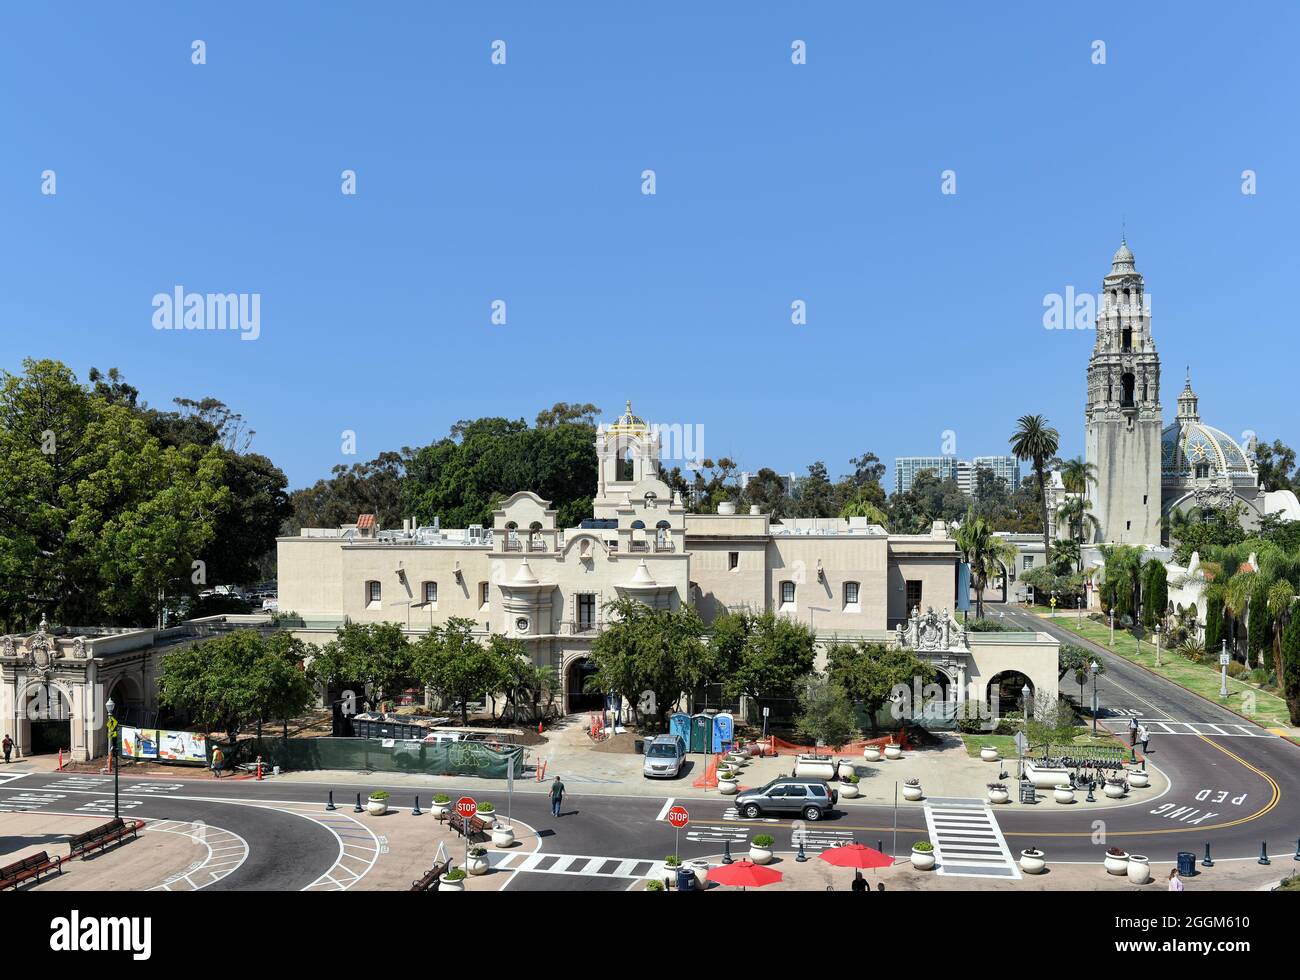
(893, 751)
(1116, 864)
(440, 810)
(846, 768)
(999, 795)
(922, 860)
(728, 787)
(458, 885)
(735, 760)
(1139, 869)
(988, 754)
(848, 791)
(871, 753)
(701, 869)
(1063, 793)
(1045, 778)
(502, 835)
(760, 855)
(1033, 862)
(1139, 779)
(477, 864)
(377, 808)
(489, 819)
(1114, 791)
(912, 794)
(814, 767)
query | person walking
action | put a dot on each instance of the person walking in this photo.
(1144, 738)
(218, 761)
(557, 795)
(8, 746)
(1133, 726)
(1175, 882)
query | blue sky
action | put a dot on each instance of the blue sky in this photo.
(775, 182)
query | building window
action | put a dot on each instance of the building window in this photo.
(850, 593)
(586, 611)
(1028, 562)
(373, 594)
(430, 593)
(787, 593)
(913, 595)
(733, 560)
(1202, 471)
(483, 593)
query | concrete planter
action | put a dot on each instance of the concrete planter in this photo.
(912, 794)
(813, 767)
(728, 787)
(1033, 862)
(503, 836)
(1063, 793)
(922, 860)
(760, 855)
(440, 810)
(893, 751)
(727, 507)
(701, 869)
(848, 791)
(1046, 778)
(871, 753)
(444, 885)
(489, 819)
(988, 754)
(999, 795)
(1117, 864)
(377, 807)
(1114, 791)
(477, 864)
(1139, 779)
(1139, 869)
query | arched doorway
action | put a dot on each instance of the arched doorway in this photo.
(576, 697)
(937, 707)
(1006, 693)
(49, 714)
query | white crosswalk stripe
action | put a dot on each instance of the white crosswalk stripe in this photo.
(9, 777)
(733, 814)
(1169, 727)
(582, 865)
(705, 832)
(967, 840)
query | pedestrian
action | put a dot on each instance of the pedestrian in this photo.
(557, 795)
(8, 746)
(860, 883)
(1144, 737)
(218, 761)
(1175, 883)
(1133, 726)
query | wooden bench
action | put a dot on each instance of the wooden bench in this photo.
(477, 826)
(102, 836)
(13, 875)
(429, 881)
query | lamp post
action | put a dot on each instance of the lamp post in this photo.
(1080, 611)
(112, 736)
(1223, 671)
(1092, 666)
(1157, 644)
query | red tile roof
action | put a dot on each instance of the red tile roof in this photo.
(366, 522)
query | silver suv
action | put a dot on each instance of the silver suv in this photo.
(664, 755)
(811, 799)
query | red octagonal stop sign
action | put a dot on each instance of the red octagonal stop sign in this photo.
(466, 807)
(678, 817)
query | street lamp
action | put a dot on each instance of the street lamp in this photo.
(1092, 666)
(1080, 611)
(1157, 644)
(1223, 671)
(112, 736)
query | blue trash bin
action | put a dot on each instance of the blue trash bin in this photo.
(1186, 863)
(685, 879)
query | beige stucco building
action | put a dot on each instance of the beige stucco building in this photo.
(549, 586)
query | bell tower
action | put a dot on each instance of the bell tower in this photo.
(1123, 417)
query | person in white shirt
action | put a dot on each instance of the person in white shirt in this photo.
(1175, 882)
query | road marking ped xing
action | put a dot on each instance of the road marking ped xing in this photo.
(24, 802)
(733, 814)
(704, 832)
(1204, 728)
(539, 862)
(9, 777)
(967, 840)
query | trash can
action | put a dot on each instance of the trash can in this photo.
(1186, 863)
(685, 879)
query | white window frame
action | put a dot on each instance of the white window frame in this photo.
(484, 594)
(794, 594)
(852, 604)
(374, 594)
(428, 587)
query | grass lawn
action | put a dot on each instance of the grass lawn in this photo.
(1006, 744)
(1245, 698)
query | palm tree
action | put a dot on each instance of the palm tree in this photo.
(1075, 514)
(1280, 597)
(987, 553)
(1035, 441)
(1236, 601)
(1077, 475)
(860, 506)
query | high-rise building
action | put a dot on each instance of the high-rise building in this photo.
(963, 471)
(1004, 467)
(907, 467)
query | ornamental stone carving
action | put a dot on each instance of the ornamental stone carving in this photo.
(79, 648)
(931, 631)
(7, 648)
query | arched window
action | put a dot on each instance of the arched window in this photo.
(661, 534)
(373, 595)
(1126, 339)
(626, 466)
(1129, 382)
(535, 539)
(638, 525)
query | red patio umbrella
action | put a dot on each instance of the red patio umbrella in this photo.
(856, 856)
(745, 874)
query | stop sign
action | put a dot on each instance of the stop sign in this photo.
(466, 807)
(678, 817)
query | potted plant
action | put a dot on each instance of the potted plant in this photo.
(1115, 788)
(1116, 861)
(893, 751)
(503, 835)
(760, 848)
(728, 783)
(849, 786)
(672, 862)
(701, 871)
(1139, 869)
(1063, 793)
(871, 753)
(654, 885)
(912, 790)
(1033, 861)
(477, 864)
(488, 814)
(988, 753)
(998, 793)
(923, 855)
(452, 881)
(377, 804)
(441, 805)
(1139, 778)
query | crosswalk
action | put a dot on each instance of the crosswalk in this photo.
(1167, 726)
(9, 777)
(731, 813)
(539, 862)
(967, 840)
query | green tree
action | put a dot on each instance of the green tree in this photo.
(1034, 441)
(1077, 475)
(761, 655)
(374, 655)
(1290, 678)
(1053, 723)
(1155, 593)
(825, 713)
(451, 661)
(988, 555)
(860, 505)
(873, 673)
(1213, 617)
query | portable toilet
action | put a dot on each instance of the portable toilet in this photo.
(701, 733)
(724, 731)
(679, 723)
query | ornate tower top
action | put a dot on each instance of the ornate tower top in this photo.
(1124, 371)
(1188, 402)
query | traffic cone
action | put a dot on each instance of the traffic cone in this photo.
(416, 811)
(539, 728)
(330, 805)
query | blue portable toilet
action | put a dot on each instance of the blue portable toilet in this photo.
(679, 724)
(724, 731)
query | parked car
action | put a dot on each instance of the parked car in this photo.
(811, 799)
(664, 755)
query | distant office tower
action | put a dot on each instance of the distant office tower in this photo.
(963, 471)
(907, 467)
(1006, 467)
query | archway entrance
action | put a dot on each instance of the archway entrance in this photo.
(575, 681)
(1006, 693)
(50, 716)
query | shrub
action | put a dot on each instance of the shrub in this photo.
(763, 840)
(851, 778)
(379, 794)
(673, 861)
(989, 626)
(923, 845)
(1237, 669)
(654, 885)
(1193, 650)
(912, 782)
(1116, 852)
(997, 785)
(477, 852)
(442, 798)
(486, 808)
(455, 874)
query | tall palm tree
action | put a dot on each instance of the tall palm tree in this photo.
(1075, 514)
(859, 506)
(987, 554)
(1236, 601)
(1077, 475)
(1280, 596)
(1035, 441)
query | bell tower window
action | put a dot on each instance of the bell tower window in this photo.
(1128, 382)
(1126, 339)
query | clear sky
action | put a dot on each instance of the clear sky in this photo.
(775, 182)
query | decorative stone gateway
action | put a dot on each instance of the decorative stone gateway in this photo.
(932, 632)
